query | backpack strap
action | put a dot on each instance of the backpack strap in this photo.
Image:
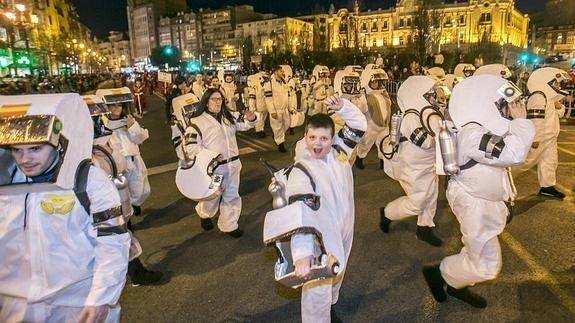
(311, 200)
(81, 182)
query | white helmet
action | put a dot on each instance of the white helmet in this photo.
(185, 107)
(372, 75)
(354, 68)
(494, 69)
(451, 80)
(320, 71)
(436, 72)
(288, 71)
(483, 99)
(419, 91)
(464, 70)
(199, 182)
(550, 81)
(347, 82)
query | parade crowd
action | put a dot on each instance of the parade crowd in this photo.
(71, 173)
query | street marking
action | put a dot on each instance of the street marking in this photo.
(173, 166)
(257, 144)
(566, 143)
(567, 164)
(539, 272)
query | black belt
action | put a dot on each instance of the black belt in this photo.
(229, 160)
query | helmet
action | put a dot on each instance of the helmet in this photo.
(420, 91)
(464, 70)
(549, 80)
(436, 72)
(320, 71)
(483, 99)
(186, 107)
(494, 69)
(346, 82)
(373, 79)
(198, 181)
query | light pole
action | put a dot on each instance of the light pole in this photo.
(22, 19)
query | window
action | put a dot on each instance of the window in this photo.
(401, 22)
(364, 27)
(408, 22)
(374, 43)
(374, 27)
(401, 41)
(461, 21)
(485, 18)
(385, 25)
(559, 39)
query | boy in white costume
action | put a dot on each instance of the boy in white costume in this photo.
(127, 136)
(325, 155)
(276, 91)
(64, 251)
(487, 142)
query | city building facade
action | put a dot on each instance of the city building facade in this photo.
(182, 31)
(450, 24)
(115, 52)
(279, 35)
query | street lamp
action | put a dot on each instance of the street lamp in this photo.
(76, 48)
(22, 19)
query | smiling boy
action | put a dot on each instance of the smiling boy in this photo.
(324, 154)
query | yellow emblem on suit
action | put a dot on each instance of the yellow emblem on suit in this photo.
(58, 203)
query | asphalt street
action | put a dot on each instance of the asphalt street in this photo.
(211, 277)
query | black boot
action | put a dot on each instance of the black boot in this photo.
(139, 275)
(551, 191)
(236, 233)
(282, 148)
(384, 222)
(426, 234)
(359, 163)
(435, 282)
(333, 315)
(467, 296)
(207, 224)
(137, 210)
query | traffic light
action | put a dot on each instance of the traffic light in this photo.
(168, 51)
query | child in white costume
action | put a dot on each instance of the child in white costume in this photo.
(127, 136)
(333, 177)
(487, 142)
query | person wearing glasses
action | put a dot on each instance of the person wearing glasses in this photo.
(215, 129)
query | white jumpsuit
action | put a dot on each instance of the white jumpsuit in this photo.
(334, 184)
(414, 168)
(198, 89)
(54, 261)
(126, 141)
(546, 121)
(476, 196)
(375, 133)
(220, 137)
(230, 91)
(277, 101)
(257, 103)
(321, 91)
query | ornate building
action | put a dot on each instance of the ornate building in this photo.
(448, 23)
(280, 35)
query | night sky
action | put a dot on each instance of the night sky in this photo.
(102, 16)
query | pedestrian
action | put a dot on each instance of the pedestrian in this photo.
(64, 250)
(276, 92)
(127, 136)
(413, 166)
(214, 129)
(544, 108)
(487, 143)
(140, 97)
(325, 154)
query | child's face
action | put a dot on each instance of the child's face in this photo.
(115, 110)
(318, 141)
